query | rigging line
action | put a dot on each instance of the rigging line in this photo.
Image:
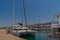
(13, 9)
(24, 13)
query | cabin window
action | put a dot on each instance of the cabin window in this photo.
(58, 29)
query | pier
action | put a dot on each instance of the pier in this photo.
(5, 36)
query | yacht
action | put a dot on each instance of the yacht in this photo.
(55, 28)
(19, 31)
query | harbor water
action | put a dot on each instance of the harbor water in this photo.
(40, 35)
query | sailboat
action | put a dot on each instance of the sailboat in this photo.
(20, 30)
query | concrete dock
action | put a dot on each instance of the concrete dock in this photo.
(5, 36)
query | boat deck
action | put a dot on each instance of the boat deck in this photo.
(5, 36)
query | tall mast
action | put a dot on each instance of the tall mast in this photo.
(13, 11)
(24, 12)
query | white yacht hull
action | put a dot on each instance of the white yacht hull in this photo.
(20, 33)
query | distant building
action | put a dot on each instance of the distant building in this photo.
(41, 26)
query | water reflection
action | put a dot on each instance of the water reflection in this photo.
(40, 35)
(28, 37)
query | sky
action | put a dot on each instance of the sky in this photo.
(37, 11)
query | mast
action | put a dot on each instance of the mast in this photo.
(13, 9)
(24, 12)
